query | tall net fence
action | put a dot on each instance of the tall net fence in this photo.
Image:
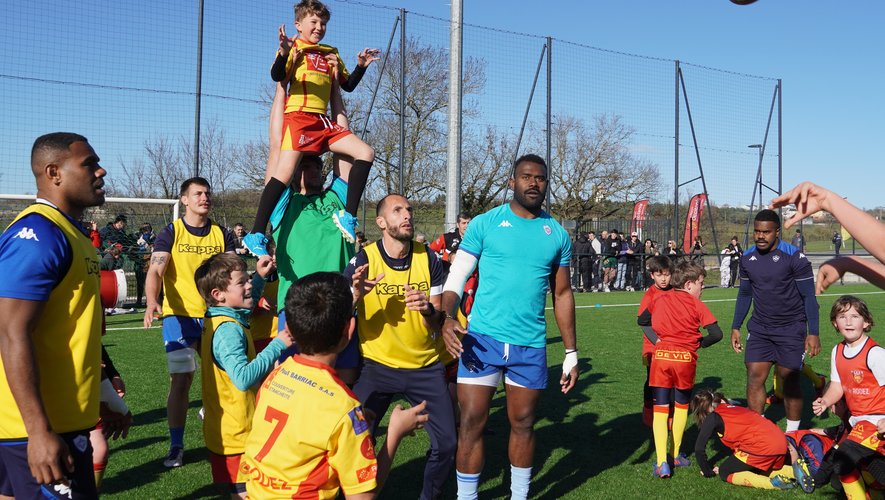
(125, 75)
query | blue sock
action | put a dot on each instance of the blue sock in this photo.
(520, 477)
(468, 485)
(176, 437)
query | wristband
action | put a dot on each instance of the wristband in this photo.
(570, 361)
(570, 351)
(110, 397)
(430, 311)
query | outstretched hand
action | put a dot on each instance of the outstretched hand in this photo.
(452, 331)
(264, 266)
(367, 56)
(285, 42)
(808, 198)
(404, 421)
(361, 285)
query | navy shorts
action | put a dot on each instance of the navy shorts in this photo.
(485, 359)
(786, 348)
(348, 358)
(16, 479)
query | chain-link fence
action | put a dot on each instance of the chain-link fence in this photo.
(618, 127)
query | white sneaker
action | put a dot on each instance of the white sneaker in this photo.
(607, 289)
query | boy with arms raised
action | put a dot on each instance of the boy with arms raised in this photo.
(229, 365)
(309, 436)
(313, 70)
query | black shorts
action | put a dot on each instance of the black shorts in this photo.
(786, 347)
(16, 479)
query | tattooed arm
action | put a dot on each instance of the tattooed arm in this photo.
(152, 284)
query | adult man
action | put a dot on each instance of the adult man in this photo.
(448, 242)
(239, 234)
(518, 247)
(393, 321)
(610, 249)
(307, 243)
(778, 280)
(50, 336)
(584, 254)
(179, 250)
(601, 282)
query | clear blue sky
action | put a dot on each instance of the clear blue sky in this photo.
(828, 53)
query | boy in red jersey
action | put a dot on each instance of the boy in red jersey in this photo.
(672, 323)
(659, 268)
(858, 373)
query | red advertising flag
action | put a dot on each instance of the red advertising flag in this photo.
(638, 216)
(693, 220)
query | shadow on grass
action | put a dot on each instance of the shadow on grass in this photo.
(151, 472)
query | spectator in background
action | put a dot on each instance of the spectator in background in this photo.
(610, 248)
(735, 259)
(697, 250)
(798, 240)
(420, 238)
(94, 235)
(837, 242)
(583, 253)
(634, 260)
(115, 232)
(621, 279)
(596, 248)
(360, 240)
(240, 233)
(145, 242)
(649, 250)
(112, 259)
(447, 242)
(672, 251)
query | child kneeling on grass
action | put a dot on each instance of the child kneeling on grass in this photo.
(309, 436)
(759, 445)
(230, 369)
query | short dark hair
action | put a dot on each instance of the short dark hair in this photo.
(305, 8)
(120, 218)
(53, 142)
(312, 159)
(199, 181)
(318, 308)
(686, 271)
(464, 216)
(768, 215)
(845, 303)
(659, 263)
(530, 158)
(215, 272)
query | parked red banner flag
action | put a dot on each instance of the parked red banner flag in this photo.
(693, 220)
(638, 216)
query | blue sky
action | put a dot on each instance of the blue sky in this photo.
(828, 54)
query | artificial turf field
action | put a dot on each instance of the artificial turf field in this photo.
(590, 443)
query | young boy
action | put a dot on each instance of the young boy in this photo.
(672, 323)
(309, 436)
(659, 268)
(230, 367)
(313, 69)
(858, 373)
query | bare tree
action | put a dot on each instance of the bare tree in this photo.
(594, 166)
(485, 169)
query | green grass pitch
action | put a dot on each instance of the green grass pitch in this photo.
(590, 443)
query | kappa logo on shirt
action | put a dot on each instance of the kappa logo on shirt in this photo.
(27, 233)
(505, 223)
(753, 258)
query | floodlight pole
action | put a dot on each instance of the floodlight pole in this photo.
(453, 185)
(199, 91)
